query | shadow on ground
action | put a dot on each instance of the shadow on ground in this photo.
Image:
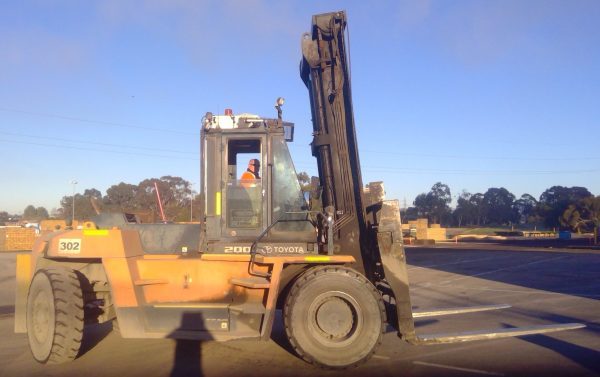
(7, 310)
(92, 335)
(188, 353)
(586, 357)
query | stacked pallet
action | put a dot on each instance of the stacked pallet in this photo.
(422, 230)
(436, 232)
(374, 193)
(422, 233)
(17, 239)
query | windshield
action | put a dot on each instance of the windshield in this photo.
(287, 195)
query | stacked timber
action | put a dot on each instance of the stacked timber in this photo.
(436, 232)
(17, 239)
(374, 193)
(422, 230)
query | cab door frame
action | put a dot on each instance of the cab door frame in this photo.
(235, 234)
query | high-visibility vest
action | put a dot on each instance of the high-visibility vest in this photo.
(247, 176)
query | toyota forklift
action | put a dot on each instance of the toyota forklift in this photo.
(337, 270)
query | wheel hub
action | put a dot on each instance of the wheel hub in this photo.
(335, 318)
(41, 317)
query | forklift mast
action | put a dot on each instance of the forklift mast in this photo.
(370, 231)
(324, 70)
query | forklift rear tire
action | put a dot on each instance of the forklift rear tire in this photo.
(334, 317)
(55, 315)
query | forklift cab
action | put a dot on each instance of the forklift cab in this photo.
(238, 211)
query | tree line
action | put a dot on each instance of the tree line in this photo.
(573, 208)
(179, 202)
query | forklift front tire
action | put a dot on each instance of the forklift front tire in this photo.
(55, 315)
(334, 317)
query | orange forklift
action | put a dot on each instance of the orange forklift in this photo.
(337, 270)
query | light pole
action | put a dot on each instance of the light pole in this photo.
(73, 182)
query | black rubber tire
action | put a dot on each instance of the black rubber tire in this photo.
(55, 315)
(334, 317)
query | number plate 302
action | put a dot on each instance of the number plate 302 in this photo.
(69, 246)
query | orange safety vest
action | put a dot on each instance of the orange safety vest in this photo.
(247, 176)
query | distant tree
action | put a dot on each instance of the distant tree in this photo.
(41, 213)
(56, 213)
(92, 193)
(421, 206)
(435, 205)
(304, 181)
(174, 195)
(180, 189)
(498, 206)
(178, 214)
(465, 212)
(197, 207)
(34, 214)
(410, 213)
(83, 206)
(95, 198)
(29, 213)
(4, 217)
(583, 215)
(525, 209)
(121, 196)
(146, 198)
(555, 200)
(476, 201)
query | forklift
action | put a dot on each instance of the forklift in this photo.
(337, 270)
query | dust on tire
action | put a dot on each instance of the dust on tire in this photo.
(334, 317)
(55, 316)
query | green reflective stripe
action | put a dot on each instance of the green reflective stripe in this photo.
(95, 232)
(317, 259)
(218, 203)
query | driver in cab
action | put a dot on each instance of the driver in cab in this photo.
(252, 173)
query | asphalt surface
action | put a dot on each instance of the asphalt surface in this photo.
(544, 286)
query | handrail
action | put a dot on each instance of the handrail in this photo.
(265, 232)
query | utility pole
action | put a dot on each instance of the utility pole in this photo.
(73, 182)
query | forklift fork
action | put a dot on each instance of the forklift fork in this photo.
(393, 259)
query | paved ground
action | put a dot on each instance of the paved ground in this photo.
(544, 286)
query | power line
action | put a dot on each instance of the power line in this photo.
(98, 150)
(97, 143)
(83, 120)
(116, 124)
(487, 157)
(469, 157)
(384, 169)
(392, 170)
(479, 172)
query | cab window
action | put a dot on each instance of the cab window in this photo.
(287, 195)
(244, 184)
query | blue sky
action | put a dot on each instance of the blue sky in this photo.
(474, 94)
